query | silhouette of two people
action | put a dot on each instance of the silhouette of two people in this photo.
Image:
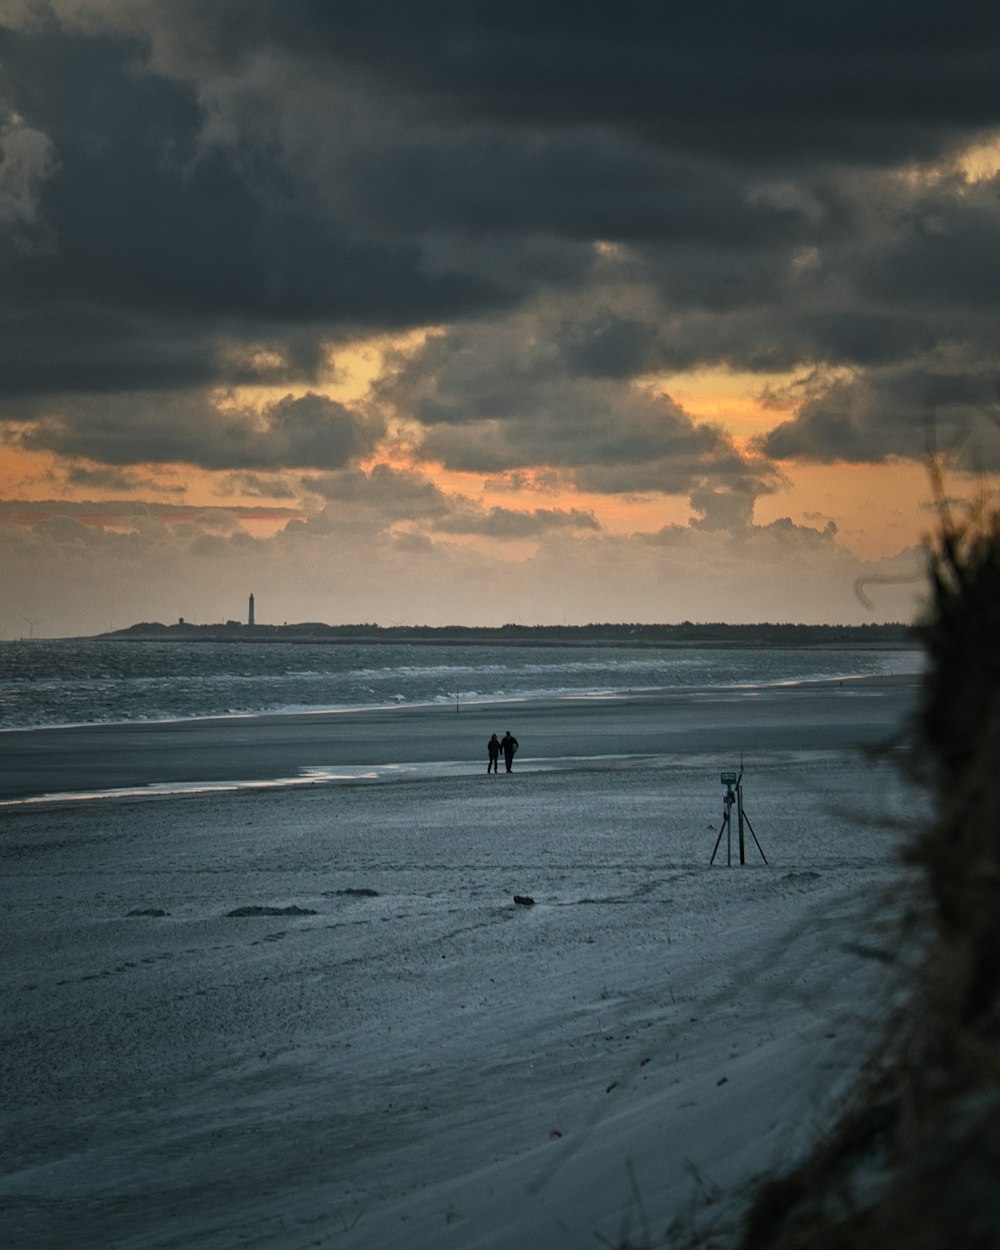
(507, 745)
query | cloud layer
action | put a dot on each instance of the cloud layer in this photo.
(548, 207)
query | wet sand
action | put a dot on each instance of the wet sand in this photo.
(441, 740)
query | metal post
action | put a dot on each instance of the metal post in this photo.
(727, 825)
(722, 829)
(729, 780)
(754, 836)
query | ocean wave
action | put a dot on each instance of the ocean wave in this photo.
(63, 682)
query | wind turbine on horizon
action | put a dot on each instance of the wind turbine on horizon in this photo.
(31, 624)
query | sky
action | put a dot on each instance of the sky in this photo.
(474, 313)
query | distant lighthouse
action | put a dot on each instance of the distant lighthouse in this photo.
(250, 613)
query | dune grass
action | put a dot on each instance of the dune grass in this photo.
(913, 1161)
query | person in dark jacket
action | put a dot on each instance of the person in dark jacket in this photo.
(508, 744)
(493, 749)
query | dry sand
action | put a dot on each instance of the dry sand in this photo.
(313, 1015)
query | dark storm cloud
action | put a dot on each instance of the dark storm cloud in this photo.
(607, 444)
(608, 345)
(677, 474)
(312, 431)
(145, 251)
(897, 412)
(943, 249)
(505, 395)
(512, 184)
(783, 78)
(393, 493)
(371, 501)
(519, 373)
(182, 184)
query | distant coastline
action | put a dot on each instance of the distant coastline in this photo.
(685, 634)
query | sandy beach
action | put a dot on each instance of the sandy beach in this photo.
(282, 995)
(445, 739)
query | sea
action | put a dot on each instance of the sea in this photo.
(61, 682)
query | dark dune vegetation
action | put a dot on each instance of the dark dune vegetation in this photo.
(914, 1161)
(636, 634)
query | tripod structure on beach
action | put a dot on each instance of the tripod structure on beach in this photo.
(734, 797)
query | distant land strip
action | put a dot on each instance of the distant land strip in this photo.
(622, 635)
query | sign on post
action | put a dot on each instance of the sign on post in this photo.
(729, 799)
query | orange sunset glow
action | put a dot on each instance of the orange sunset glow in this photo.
(386, 349)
